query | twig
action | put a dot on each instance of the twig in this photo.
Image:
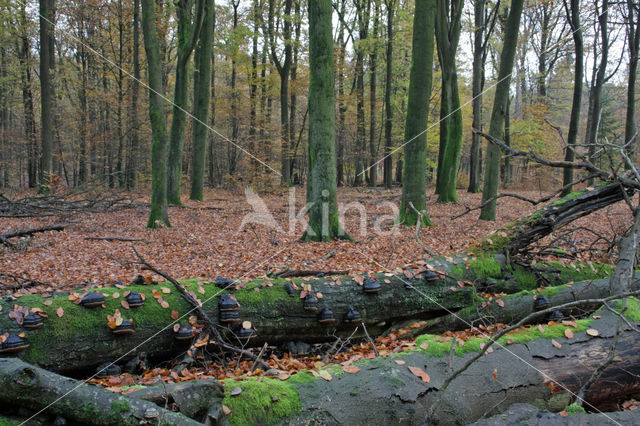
(366, 333)
(125, 239)
(306, 273)
(259, 357)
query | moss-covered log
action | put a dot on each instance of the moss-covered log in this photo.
(517, 236)
(385, 391)
(81, 338)
(36, 389)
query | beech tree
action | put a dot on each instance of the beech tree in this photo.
(321, 185)
(158, 214)
(500, 101)
(47, 94)
(414, 177)
(201, 92)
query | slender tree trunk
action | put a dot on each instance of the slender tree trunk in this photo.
(508, 167)
(477, 89)
(132, 158)
(47, 93)
(283, 69)
(323, 214)
(596, 91)
(188, 33)
(24, 51)
(414, 183)
(297, 18)
(211, 161)
(633, 31)
(362, 17)
(120, 167)
(576, 105)
(496, 126)
(202, 83)
(388, 108)
(447, 31)
(342, 105)
(232, 153)
(253, 93)
(373, 60)
(158, 215)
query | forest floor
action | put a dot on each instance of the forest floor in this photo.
(207, 238)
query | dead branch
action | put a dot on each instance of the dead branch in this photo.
(418, 226)
(286, 273)
(4, 238)
(125, 239)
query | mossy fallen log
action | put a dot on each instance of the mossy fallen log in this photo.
(385, 392)
(40, 390)
(74, 337)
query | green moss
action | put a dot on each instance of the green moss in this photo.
(8, 422)
(578, 271)
(553, 332)
(485, 267)
(575, 409)
(302, 378)
(267, 296)
(457, 271)
(262, 402)
(633, 308)
(439, 349)
(133, 387)
(120, 406)
(525, 279)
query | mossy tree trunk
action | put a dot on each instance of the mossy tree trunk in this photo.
(202, 87)
(496, 126)
(188, 33)
(34, 388)
(81, 339)
(447, 29)
(321, 185)
(414, 177)
(576, 105)
(158, 215)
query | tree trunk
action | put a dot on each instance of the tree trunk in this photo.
(342, 105)
(414, 182)
(37, 389)
(201, 103)
(373, 60)
(388, 108)
(576, 105)
(158, 214)
(447, 29)
(321, 185)
(81, 339)
(24, 52)
(633, 31)
(479, 54)
(188, 33)
(47, 94)
(496, 127)
(595, 96)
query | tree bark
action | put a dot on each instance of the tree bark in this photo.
(388, 108)
(47, 54)
(158, 214)
(576, 105)
(188, 34)
(201, 103)
(324, 224)
(414, 183)
(496, 127)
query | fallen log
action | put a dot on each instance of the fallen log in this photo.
(385, 391)
(74, 337)
(4, 238)
(40, 390)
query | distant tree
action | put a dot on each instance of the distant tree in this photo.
(388, 109)
(500, 105)
(321, 185)
(414, 177)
